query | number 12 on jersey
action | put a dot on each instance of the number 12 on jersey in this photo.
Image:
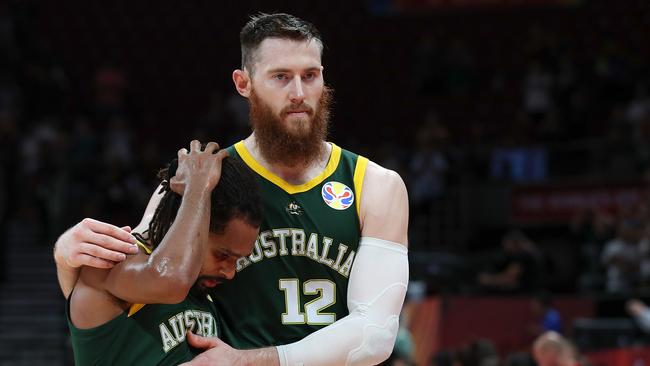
(312, 314)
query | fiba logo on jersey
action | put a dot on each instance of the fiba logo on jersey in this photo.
(337, 195)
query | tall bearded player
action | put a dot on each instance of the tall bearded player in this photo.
(327, 277)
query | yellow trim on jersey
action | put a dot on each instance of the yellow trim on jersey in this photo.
(290, 188)
(143, 246)
(135, 308)
(359, 173)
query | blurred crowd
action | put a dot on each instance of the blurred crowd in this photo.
(548, 349)
(85, 148)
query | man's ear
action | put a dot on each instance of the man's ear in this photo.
(243, 82)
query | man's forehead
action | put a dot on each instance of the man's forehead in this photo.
(274, 52)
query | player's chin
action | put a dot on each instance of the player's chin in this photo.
(299, 130)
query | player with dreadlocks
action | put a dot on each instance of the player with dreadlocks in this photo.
(139, 311)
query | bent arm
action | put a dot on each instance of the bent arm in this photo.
(166, 275)
(96, 244)
(377, 286)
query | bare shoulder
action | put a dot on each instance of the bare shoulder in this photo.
(379, 177)
(384, 205)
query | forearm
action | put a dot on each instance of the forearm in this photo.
(167, 275)
(179, 254)
(262, 356)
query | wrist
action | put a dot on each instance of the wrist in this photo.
(263, 356)
(200, 186)
(58, 258)
(197, 193)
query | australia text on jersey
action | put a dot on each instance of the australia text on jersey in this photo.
(295, 242)
(196, 321)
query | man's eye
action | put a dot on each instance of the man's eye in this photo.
(281, 77)
(221, 256)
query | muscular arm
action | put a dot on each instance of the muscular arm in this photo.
(166, 275)
(377, 286)
(96, 244)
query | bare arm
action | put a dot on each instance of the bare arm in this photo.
(96, 244)
(166, 275)
(377, 286)
(90, 243)
(384, 206)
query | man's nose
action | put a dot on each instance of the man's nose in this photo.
(228, 271)
(297, 92)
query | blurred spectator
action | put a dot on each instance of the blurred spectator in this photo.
(26, 228)
(459, 68)
(591, 229)
(551, 349)
(84, 145)
(429, 66)
(621, 257)
(519, 164)
(548, 317)
(429, 165)
(110, 92)
(640, 312)
(442, 358)
(642, 142)
(519, 359)
(480, 352)
(638, 109)
(237, 112)
(404, 348)
(538, 100)
(644, 265)
(118, 142)
(519, 269)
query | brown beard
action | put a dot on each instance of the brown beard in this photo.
(291, 147)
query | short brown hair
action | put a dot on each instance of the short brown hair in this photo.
(278, 25)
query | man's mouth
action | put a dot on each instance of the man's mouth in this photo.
(209, 282)
(295, 113)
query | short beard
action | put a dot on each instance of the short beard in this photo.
(200, 290)
(278, 144)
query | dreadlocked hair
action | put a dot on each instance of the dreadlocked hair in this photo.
(235, 196)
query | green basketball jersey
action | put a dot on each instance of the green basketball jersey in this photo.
(296, 280)
(146, 334)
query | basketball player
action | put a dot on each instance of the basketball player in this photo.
(327, 277)
(194, 242)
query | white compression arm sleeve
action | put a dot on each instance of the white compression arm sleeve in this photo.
(367, 335)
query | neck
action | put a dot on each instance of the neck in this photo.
(292, 174)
